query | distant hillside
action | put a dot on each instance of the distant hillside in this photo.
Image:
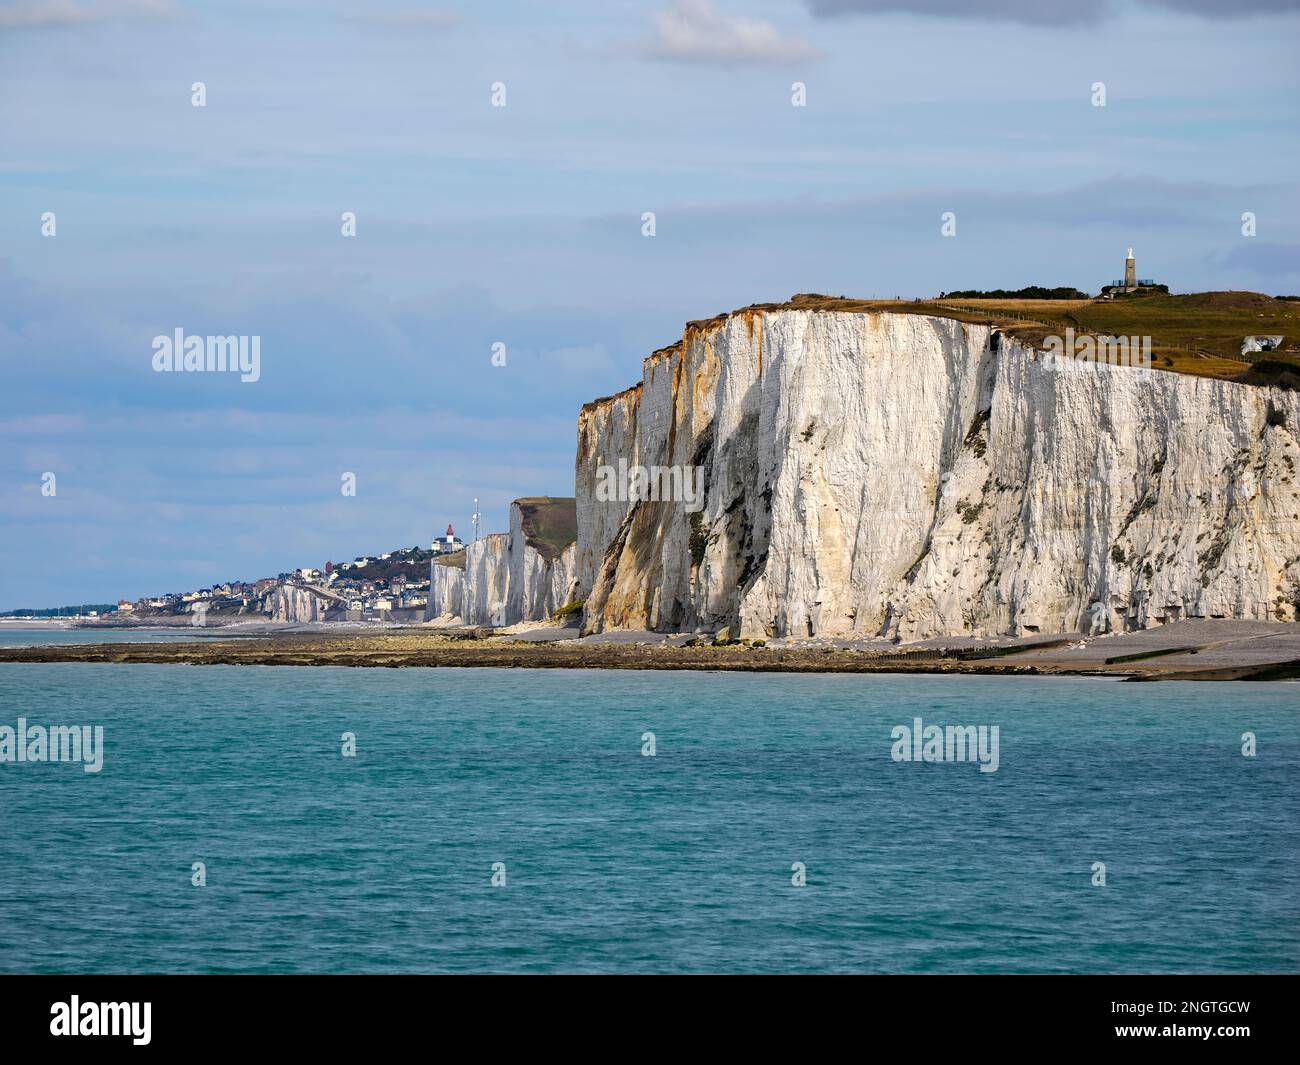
(58, 611)
(414, 561)
(1033, 292)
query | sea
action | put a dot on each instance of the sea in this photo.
(594, 821)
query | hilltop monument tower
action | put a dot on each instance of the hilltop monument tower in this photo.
(1132, 285)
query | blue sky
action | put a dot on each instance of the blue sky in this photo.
(522, 224)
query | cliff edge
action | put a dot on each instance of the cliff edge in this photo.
(908, 475)
(507, 578)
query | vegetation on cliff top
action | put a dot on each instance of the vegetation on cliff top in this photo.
(1197, 333)
(550, 523)
(1032, 292)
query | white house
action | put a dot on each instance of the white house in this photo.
(445, 545)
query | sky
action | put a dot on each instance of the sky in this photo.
(522, 225)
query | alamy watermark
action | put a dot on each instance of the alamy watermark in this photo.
(179, 353)
(79, 1018)
(1069, 349)
(634, 484)
(55, 743)
(950, 743)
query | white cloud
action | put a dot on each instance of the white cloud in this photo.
(45, 14)
(695, 31)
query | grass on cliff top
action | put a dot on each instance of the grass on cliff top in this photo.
(1197, 333)
(550, 523)
(1202, 324)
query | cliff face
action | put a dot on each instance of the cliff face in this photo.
(508, 577)
(484, 597)
(293, 605)
(903, 475)
(540, 572)
(446, 588)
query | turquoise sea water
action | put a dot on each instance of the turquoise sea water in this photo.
(620, 862)
(18, 636)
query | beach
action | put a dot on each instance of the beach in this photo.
(1189, 650)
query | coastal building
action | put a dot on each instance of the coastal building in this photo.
(445, 545)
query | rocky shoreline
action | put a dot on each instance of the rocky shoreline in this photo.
(1189, 651)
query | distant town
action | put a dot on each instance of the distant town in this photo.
(392, 586)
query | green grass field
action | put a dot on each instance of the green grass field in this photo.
(1196, 333)
(1201, 331)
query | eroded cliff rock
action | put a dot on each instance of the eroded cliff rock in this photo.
(291, 604)
(508, 578)
(909, 476)
(446, 589)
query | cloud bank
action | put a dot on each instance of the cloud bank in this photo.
(1044, 12)
(695, 31)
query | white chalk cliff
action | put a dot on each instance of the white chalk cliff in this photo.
(507, 578)
(446, 592)
(904, 475)
(293, 604)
